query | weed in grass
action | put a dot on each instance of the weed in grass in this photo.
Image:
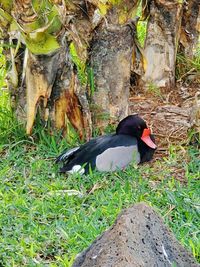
(154, 90)
(2, 68)
(90, 72)
(81, 66)
(188, 68)
(141, 27)
(141, 32)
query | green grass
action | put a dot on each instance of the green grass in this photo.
(81, 66)
(3, 91)
(41, 225)
(186, 67)
(141, 32)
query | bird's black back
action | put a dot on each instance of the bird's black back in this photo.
(87, 153)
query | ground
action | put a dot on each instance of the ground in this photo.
(47, 218)
(169, 114)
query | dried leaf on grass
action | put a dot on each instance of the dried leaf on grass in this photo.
(65, 192)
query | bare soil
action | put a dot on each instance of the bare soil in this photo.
(168, 113)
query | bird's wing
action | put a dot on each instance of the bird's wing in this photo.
(66, 153)
(69, 154)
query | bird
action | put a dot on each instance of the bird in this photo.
(132, 142)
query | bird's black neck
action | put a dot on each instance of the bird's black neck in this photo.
(146, 152)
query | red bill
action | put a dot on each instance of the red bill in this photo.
(147, 139)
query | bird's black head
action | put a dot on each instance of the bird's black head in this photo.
(132, 125)
(135, 126)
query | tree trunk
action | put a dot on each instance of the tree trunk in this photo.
(68, 101)
(40, 76)
(110, 60)
(45, 79)
(43, 75)
(53, 79)
(190, 28)
(161, 42)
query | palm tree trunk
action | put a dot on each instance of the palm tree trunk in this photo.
(110, 60)
(52, 79)
(163, 32)
(190, 28)
(43, 76)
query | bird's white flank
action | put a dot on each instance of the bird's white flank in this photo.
(77, 169)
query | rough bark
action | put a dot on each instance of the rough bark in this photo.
(122, 11)
(48, 83)
(53, 79)
(16, 82)
(190, 28)
(110, 60)
(40, 76)
(195, 117)
(68, 101)
(161, 42)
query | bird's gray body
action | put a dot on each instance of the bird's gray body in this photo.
(117, 158)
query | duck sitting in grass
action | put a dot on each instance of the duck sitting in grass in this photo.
(132, 142)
